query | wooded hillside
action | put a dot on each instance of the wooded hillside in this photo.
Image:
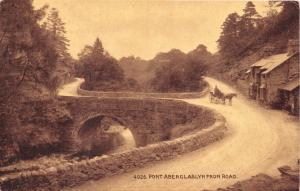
(247, 38)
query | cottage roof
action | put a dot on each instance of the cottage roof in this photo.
(290, 86)
(271, 62)
(278, 58)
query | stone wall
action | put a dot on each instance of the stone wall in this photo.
(75, 173)
(184, 95)
(149, 120)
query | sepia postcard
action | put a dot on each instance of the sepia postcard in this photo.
(149, 95)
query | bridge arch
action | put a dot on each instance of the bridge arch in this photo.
(96, 137)
(95, 119)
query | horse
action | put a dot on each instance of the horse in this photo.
(229, 97)
(216, 97)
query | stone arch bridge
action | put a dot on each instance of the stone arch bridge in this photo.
(149, 120)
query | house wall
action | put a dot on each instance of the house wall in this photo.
(293, 101)
(279, 76)
(255, 80)
(273, 80)
(294, 65)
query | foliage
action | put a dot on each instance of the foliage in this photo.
(178, 73)
(100, 71)
(286, 20)
(138, 70)
(228, 41)
(241, 33)
(57, 34)
(27, 56)
(237, 30)
(28, 60)
(147, 73)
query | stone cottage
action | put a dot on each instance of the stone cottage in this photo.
(289, 93)
(272, 80)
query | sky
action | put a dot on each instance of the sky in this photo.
(144, 28)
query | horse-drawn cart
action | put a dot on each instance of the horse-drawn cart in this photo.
(219, 97)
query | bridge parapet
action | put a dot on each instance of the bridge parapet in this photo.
(181, 95)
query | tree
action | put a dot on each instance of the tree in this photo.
(179, 72)
(250, 10)
(27, 56)
(228, 40)
(98, 48)
(27, 61)
(56, 27)
(57, 33)
(100, 71)
(288, 16)
(239, 32)
(248, 22)
(85, 52)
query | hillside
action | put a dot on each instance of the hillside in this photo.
(271, 39)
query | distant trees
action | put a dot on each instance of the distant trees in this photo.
(100, 71)
(173, 71)
(178, 73)
(137, 71)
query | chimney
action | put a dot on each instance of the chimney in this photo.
(293, 46)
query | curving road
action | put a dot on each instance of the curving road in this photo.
(258, 141)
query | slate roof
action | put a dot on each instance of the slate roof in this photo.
(271, 62)
(290, 86)
(275, 59)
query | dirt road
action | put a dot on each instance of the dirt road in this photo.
(258, 141)
(70, 89)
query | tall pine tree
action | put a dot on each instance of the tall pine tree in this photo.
(249, 19)
(228, 41)
(65, 64)
(56, 27)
